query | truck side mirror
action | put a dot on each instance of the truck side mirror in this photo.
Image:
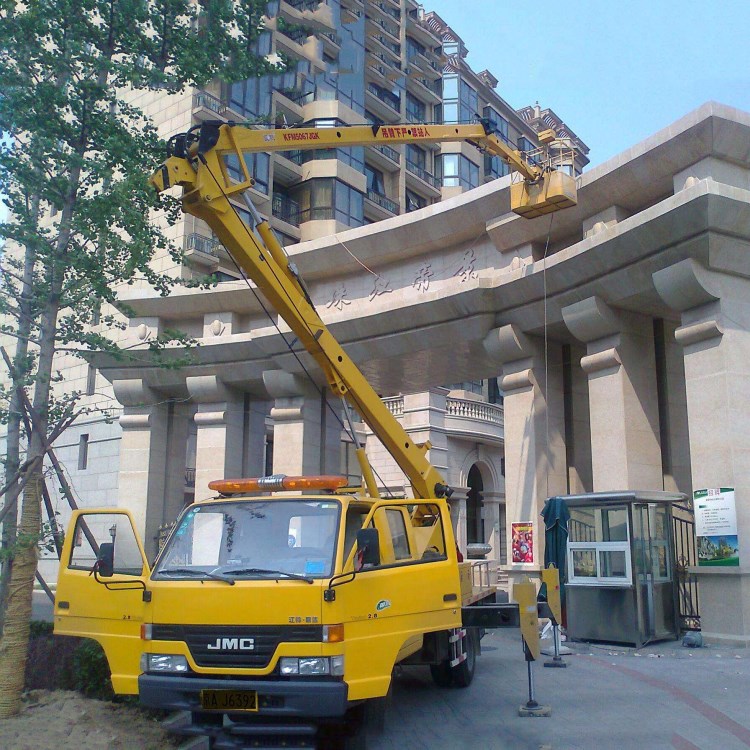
(105, 560)
(368, 548)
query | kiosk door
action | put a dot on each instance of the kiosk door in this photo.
(652, 570)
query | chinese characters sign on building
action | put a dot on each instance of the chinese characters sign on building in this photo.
(716, 527)
(523, 542)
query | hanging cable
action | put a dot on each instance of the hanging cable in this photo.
(289, 345)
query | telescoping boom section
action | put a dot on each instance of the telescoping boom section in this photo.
(199, 162)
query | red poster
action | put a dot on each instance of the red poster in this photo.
(523, 542)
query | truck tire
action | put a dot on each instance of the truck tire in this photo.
(442, 674)
(463, 673)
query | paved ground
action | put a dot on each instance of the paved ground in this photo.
(661, 696)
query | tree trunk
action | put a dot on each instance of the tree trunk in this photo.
(15, 641)
(13, 441)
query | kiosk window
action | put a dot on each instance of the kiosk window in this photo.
(599, 546)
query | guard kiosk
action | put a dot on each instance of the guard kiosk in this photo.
(621, 585)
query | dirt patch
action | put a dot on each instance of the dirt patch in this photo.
(64, 720)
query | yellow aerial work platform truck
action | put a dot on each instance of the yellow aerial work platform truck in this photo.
(275, 613)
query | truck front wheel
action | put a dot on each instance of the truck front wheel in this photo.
(444, 675)
(463, 673)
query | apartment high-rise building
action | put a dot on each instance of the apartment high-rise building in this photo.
(354, 62)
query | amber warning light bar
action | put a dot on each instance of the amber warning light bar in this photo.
(278, 482)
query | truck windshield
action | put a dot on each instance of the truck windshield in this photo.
(253, 539)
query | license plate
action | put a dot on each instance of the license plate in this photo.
(229, 700)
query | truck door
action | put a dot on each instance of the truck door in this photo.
(413, 590)
(108, 609)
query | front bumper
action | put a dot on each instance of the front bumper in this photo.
(292, 698)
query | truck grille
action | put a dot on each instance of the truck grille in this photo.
(251, 646)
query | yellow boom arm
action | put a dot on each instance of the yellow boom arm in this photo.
(199, 165)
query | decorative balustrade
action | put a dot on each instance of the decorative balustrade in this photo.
(478, 410)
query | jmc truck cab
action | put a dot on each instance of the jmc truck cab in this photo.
(289, 608)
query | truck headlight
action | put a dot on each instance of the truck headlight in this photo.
(312, 665)
(163, 663)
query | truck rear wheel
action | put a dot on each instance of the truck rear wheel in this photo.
(463, 673)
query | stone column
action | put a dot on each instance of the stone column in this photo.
(306, 434)
(143, 457)
(715, 337)
(535, 463)
(219, 419)
(458, 517)
(491, 514)
(424, 420)
(623, 404)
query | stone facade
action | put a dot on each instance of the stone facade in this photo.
(623, 352)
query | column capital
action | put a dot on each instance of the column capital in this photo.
(591, 319)
(686, 284)
(134, 393)
(281, 384)
(510, 344)
(209, 389)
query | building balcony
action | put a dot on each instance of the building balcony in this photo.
(390, 206)
(423, 88)
(464, 417)
(382, 103)
(423, 175)
(378, 27)
(202, 250)
(384, 158)
(375, 38)
(419, 30)
(285, 209)
(287, 167)
(208, 107)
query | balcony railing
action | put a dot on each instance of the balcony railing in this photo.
(391, 100)
(391, 153)
(286, 209)
(304, 4)
(210, 102)
(206, 245)
(479, 410)
(383, 201)
(423, 174)
(295, 156)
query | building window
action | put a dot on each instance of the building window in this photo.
(495, 167)
(83, 452)
(416, 156)
(450, 47)
(415, 109)
(375, 181)
(414, 48)
(325, 199)
(458, 171)
(498, 124)
(599, 546)
(494, 394)
(91, 380)
(258, 167)
(251, 98)
(450, 98)
(414, 201)
(469, 102)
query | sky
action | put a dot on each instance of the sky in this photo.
(614, 72)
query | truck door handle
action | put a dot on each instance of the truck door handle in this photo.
(450, 597)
